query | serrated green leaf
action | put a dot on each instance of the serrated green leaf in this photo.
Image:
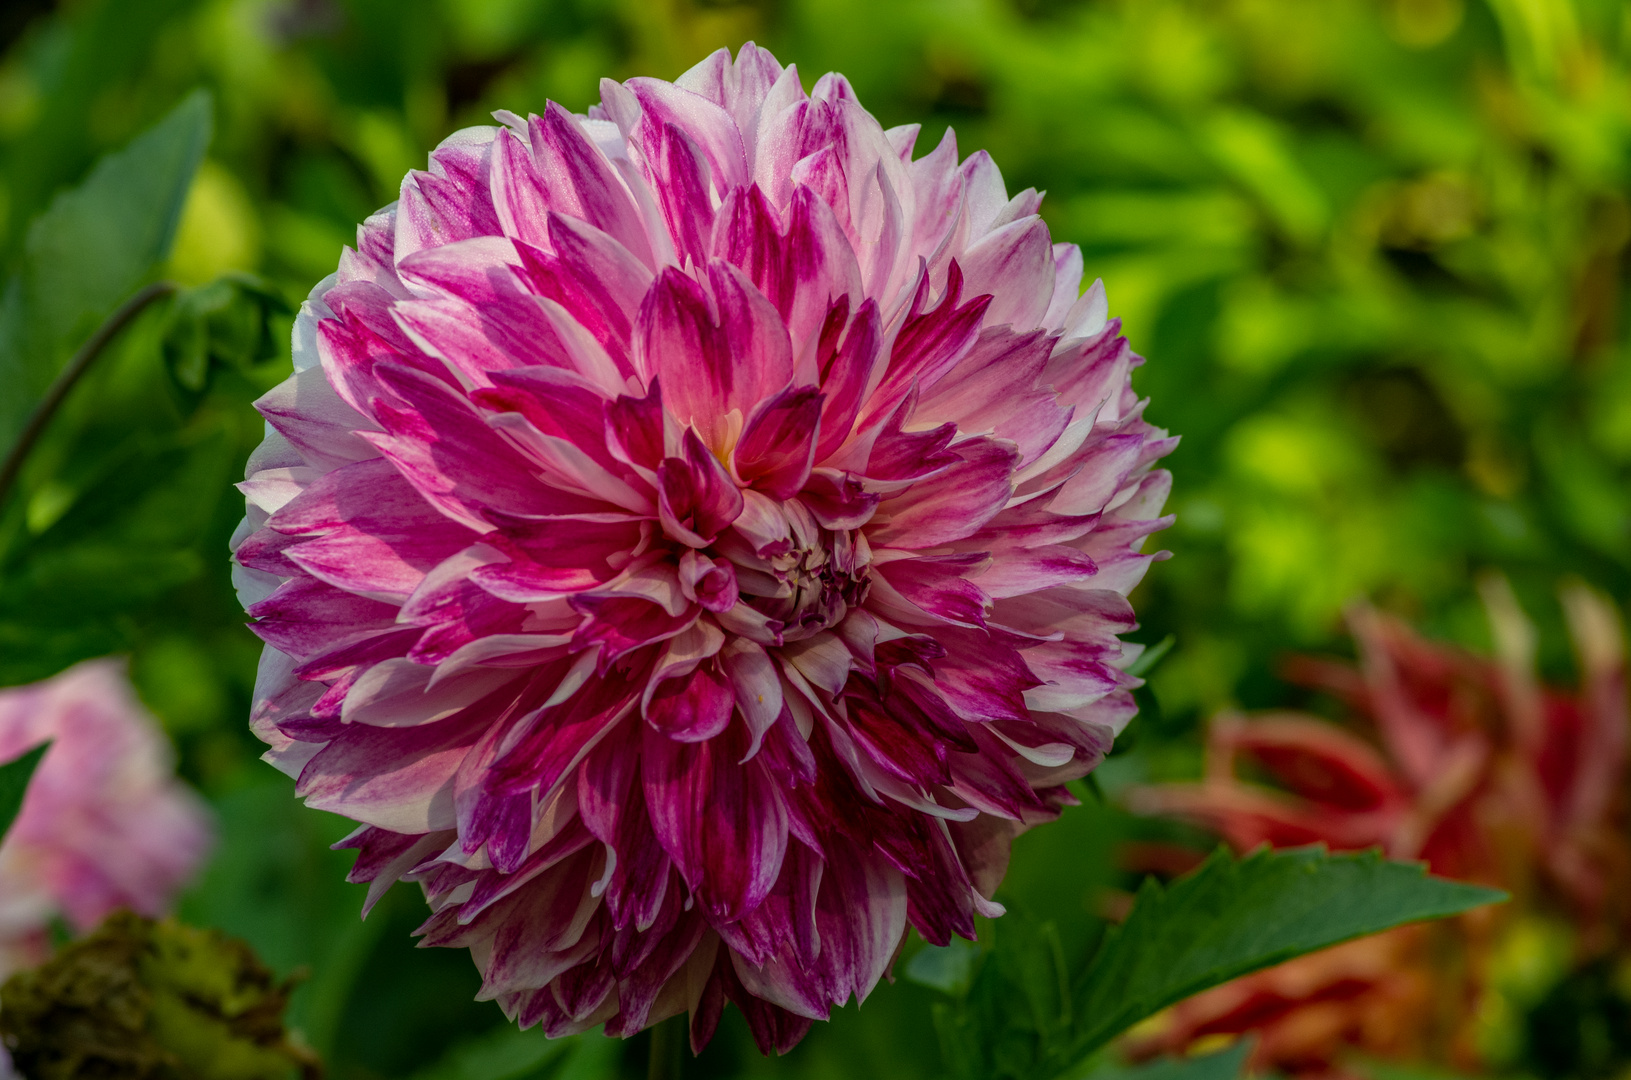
(1023, 1020)
(1232, 917)
(14, 778)
(89, 251)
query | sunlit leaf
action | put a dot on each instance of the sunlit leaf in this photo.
(87, 253)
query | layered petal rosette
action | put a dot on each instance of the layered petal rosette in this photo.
(694, 542)
(104, 824)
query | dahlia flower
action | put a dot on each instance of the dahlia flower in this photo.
(104, 823)
(1466, 763)
(694, 542)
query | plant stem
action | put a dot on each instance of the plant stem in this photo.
(70, 375)
(668, 1041)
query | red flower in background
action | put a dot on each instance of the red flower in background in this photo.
(1465, 763)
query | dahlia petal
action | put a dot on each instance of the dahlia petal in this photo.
(638, 990)
(823, 660)
(860, 918)
(478, 270)
(929, 344)
(621, 624)
(986, 194)
(305, 409)
(581, 183)
(706, 122)
(559, 737)
(900, 457)
(1020, 573)
(757, 687)
(395, 693)
(951, 504)
(520, 202)
(982, 679)
(707, 76)
(594, 278)
(704, 991)
(721, 822)
(455, 460)
(452, 201)
(937, 587)
(562, 464)
(692, 707)
(777, 446)
(1090, 313)
(681, 178)
(1067, 285)
(696, 497)
(1102, 468)
(995, 388)
(838, 500)
(774, 1028)
(565, 558)
(846, 370)
(396, 779)
(303, 616)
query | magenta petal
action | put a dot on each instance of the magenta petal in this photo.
(722, 823)
(838, 501)
(849, 352)
(581, 182)
(953, 503)
(930, 343)
(692, 707)
(681, 178)
(613, 805)
(697, 498)
(621, 624)
(776, 448)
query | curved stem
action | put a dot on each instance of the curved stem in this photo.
(81, 363)
(668, 1041)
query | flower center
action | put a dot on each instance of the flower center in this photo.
(805, 580)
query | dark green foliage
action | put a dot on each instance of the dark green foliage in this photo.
(1223, 1065)
(1581, 1028)
(236, 322)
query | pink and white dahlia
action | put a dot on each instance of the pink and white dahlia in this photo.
(694, 542)
(104, 824)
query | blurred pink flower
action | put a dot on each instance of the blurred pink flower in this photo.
(694, 543)
(104, 825)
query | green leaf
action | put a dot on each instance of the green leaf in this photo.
(1232, 917)
(1223, 1065)
(503, 1053)
(1024, 1018)
(945, 968)
(14, 778)
(1152, 656)
(227, 323)
(94, 246)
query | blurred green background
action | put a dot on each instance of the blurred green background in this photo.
(1373, 249)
